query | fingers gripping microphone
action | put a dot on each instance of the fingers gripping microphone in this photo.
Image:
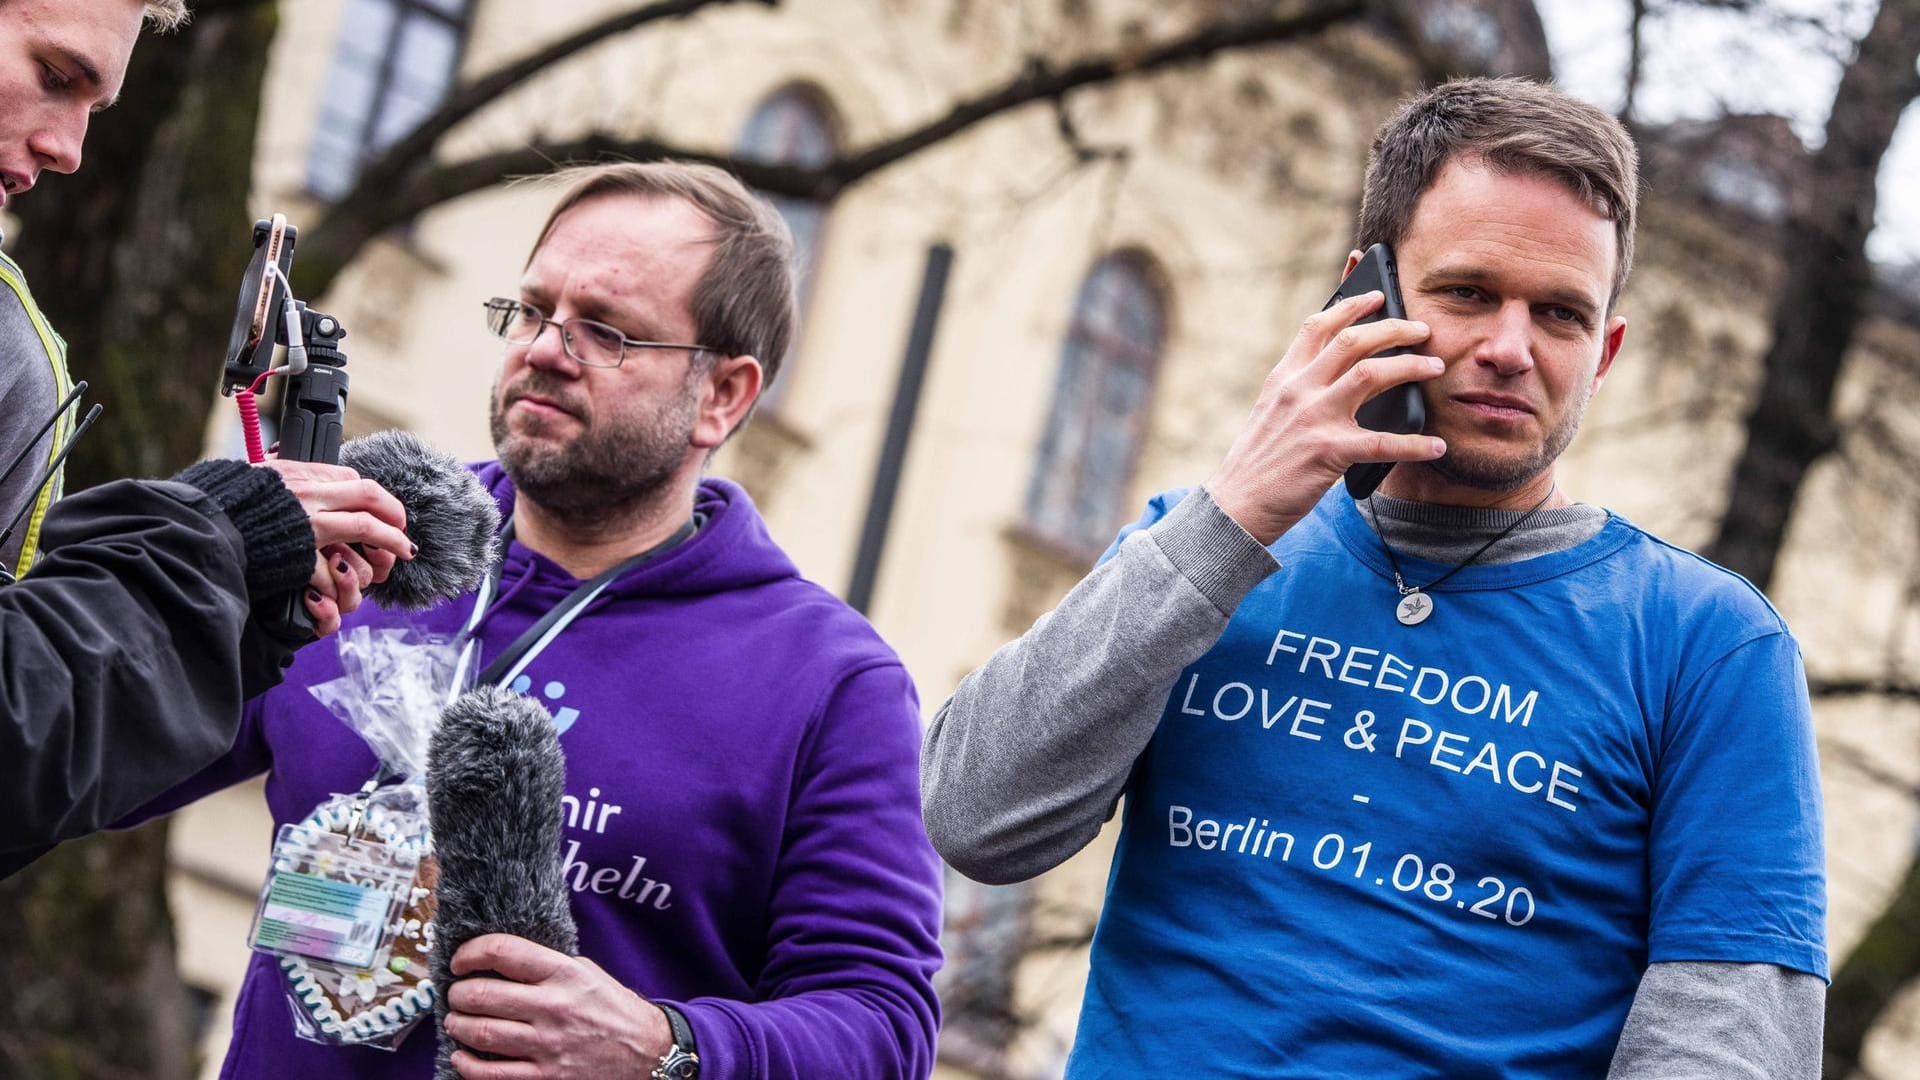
(450, 516)
(495, 777)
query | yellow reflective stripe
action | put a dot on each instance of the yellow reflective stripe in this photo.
(55, 351)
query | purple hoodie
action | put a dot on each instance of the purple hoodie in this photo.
(746, 843)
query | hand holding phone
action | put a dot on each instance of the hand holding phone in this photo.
(1400, 410)
(1300, 438)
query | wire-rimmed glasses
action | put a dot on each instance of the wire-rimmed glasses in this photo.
(592, 343)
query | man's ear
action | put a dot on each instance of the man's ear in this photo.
(1610, 346)
(726, 394)
(1353, 260)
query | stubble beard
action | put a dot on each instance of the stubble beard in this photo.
(619, 466)
(1495, 472)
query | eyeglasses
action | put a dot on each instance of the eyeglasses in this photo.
(594, 344)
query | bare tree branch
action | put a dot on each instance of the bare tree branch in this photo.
(1834, 40)
(1822, 296)
(415, 185)
(1040, 82)
(1869, 768)
(1084, 152)
(1895, 689)
(379, 176)
(1636, 53)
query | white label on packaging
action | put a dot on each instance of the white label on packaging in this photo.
(327, 920)
(329, 898)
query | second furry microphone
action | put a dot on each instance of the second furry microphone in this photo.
(495, 777)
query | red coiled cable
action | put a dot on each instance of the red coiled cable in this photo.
(250, 418)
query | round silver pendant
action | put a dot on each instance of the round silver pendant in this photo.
(1414, 608)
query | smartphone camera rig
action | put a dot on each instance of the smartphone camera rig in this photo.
(314, 413)
(315, 403)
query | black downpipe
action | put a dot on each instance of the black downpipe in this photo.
(906, 402)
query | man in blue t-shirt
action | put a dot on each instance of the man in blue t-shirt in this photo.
(1465, 778)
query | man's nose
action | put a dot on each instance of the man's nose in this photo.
(1507, 346)
(56, 143)
(548, 350)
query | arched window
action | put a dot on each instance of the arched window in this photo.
(1100, 402)
(793, 126)
(394, 64)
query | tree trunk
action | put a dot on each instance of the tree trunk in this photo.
(136, 260)
(1636, 53)
(1825, 287)
(91, 990)
(1814, 321)
(1884, 961)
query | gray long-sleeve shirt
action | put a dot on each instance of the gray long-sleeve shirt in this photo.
(1025, 762)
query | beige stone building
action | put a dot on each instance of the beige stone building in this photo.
(1104, 327)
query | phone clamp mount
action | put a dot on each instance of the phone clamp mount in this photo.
(313, 413)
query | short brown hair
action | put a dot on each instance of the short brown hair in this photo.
(165, 15)
(1514, 126)
(744, 304)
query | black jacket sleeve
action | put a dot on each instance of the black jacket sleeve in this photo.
(127, 651)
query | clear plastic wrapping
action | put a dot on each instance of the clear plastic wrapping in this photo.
(339, 892)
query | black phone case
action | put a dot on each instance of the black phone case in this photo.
(1401, 409)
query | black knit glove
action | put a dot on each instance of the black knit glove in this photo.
(273, 525)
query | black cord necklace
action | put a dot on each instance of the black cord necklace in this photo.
(1416, 601)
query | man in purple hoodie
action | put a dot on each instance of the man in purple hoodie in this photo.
(755, 894)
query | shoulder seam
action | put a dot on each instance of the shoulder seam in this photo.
(1709, 667)
(1715, 567)
(817, 711)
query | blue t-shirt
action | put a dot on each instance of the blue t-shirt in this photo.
(1356, 848)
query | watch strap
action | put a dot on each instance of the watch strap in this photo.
(682, 1060)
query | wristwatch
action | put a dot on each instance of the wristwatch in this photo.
(680, 1062)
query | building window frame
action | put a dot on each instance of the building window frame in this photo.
(794, 124)
(455, 16)
(1109, 369)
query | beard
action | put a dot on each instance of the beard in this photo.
(1505, 472)
(621, 462)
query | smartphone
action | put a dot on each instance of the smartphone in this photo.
(262, 293)
(1400, 409)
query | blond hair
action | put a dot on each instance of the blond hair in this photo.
(166, 15)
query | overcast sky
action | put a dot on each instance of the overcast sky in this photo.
(1700, 64)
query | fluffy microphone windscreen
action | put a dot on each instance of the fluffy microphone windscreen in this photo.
(495, 777)
(450, 516)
